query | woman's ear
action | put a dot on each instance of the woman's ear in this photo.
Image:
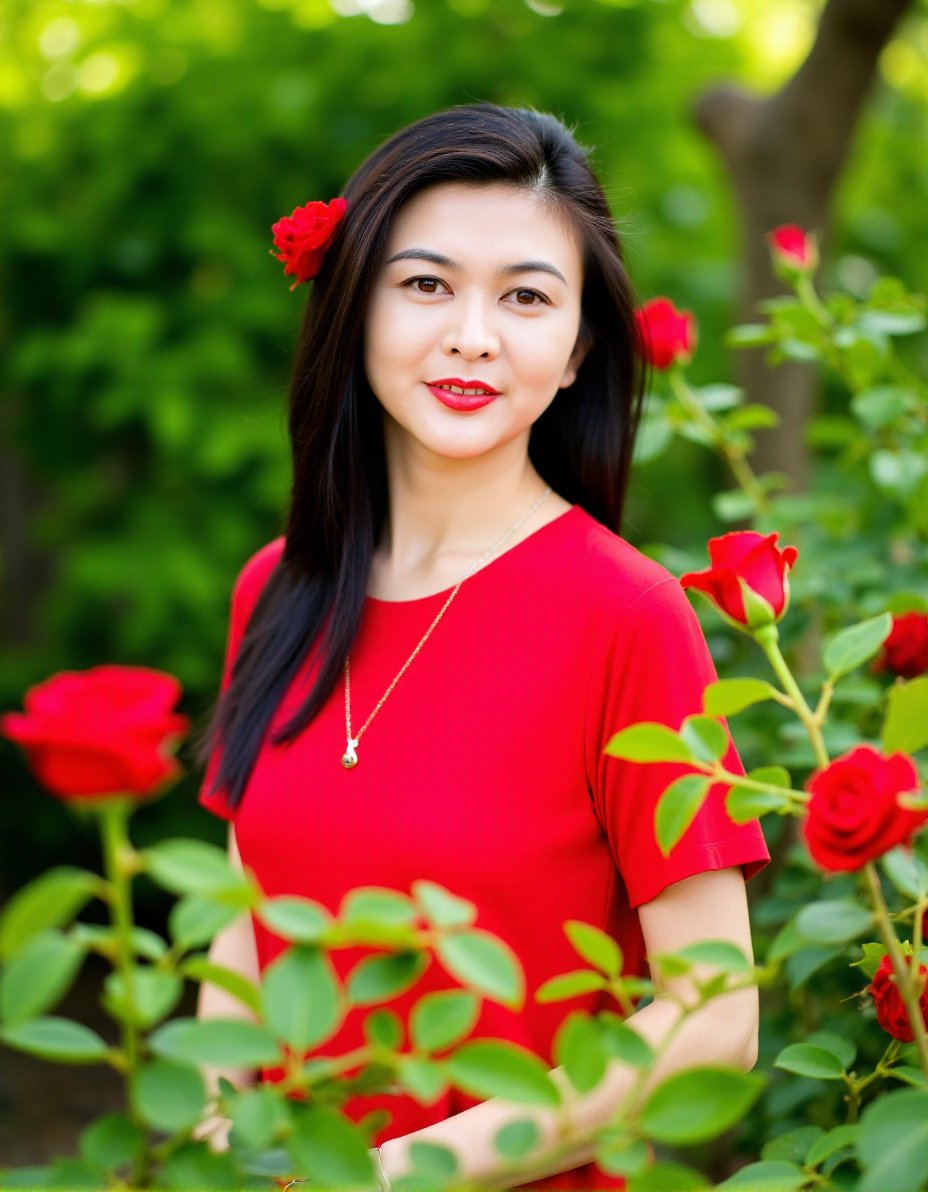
(577, 356)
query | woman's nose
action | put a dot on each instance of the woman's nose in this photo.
(471, 332)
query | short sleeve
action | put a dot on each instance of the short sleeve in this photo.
(245, 592)
(656, 669)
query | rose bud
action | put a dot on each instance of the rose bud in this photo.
(666, 335)
(747, 581)
(100, 733)
(794, 250)
(854, 815)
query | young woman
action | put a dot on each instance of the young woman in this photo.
(423, 671)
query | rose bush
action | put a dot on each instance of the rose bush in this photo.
(100, 733)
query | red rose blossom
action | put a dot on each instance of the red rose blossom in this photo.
(905, 651)
(102, 732)
(793, 248)
(665, 335)
(304, 236)
(890, 1008)
(744, 559)
(853, 815)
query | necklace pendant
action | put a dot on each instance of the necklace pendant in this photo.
(350, 757)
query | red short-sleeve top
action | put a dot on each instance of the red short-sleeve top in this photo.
(484, 771)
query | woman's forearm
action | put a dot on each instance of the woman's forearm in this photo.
(723, 1032)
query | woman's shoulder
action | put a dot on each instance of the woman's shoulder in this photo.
(613, 573)
(255, 573)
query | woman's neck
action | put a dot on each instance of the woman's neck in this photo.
(438, 527)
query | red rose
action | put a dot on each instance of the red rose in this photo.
(665, 335)
(905, 651)
(793, 248)
(748, 580)
(890, 1008)
(100, 732)
(304, 236)
(853, 815)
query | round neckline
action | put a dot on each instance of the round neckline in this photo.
(375, 600)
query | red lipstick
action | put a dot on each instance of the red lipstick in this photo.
(462, 401)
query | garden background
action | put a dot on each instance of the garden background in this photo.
(146, 334)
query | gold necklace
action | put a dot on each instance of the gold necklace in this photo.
(350, 756)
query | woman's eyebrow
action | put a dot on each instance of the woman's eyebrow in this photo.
(425, 254)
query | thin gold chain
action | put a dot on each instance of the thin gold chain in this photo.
(425, 636)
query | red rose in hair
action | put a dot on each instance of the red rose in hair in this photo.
(100, 732)
(304, 236)
(890, 1008)
(853, 815)
(905, 651)
(665, 335)
(793, 248)
(747, 580)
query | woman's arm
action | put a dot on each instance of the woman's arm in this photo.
(706, 906)
(233, 948)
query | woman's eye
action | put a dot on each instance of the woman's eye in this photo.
(430, 284)
(529, 294)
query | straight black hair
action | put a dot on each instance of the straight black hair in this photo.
(581, 444)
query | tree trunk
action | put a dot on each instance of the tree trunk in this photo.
(785, 154)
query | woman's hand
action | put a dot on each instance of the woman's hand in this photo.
(214, 1130)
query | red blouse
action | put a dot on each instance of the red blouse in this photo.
(484, 771)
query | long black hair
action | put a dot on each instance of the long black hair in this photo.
(581, 444)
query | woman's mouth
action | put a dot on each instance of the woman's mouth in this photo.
(459, 395)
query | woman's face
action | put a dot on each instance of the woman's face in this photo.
(480, 287)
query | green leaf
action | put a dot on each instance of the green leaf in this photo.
(831, 1142)
(705, 737)
(595, 946)
(898, 473)
(852, 646)
(768, 1176)
(839, 1045)
(698, 1103)
(332, 1148)
(199, 968)
(300, 997)
(258, 1116)
(881, 406)
(432, 1161)
(568, 985)
(721, 954)
(155, 993)
(649, 743)
(195, 921)
(893, 1142)
(423, 1078)
(53, 899)
(217, 1041)
(677, 807)
(870, 960)
(726, 697)
(495, 1068)
(196, 1166)
(733, 506)
(191, 867)
(623, 1155)
(170, 1095)
(297, 919)
(56, 1039)
(622, 1042)
(805, 1059)
(744, 805)
(907, 872)
(905, 729)
(37, 976)
(441, 908)
(516, 1139)
(378, 978)
(376, 904)
(892, 322)
(486, 964)
(773, 775)
(668, 1177)
(384, 1028)
(440, 1019)
(791, 1145)
(752, 417)
(833, 921)
(578, 1049)
(749, 335)
(111, 1141)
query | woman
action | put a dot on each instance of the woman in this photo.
(450, 629)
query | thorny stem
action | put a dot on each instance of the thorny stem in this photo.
(768, 638)
(905, 975)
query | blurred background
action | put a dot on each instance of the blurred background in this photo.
(146, 333)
